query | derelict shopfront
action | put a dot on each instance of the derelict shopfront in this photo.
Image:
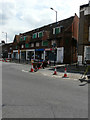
(40, 54)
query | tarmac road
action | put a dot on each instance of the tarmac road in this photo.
(34, 95)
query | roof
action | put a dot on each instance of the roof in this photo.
(65, 23)
(85, 5)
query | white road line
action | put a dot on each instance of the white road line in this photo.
(24, 71)
(75, 79)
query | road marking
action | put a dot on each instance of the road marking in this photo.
(24, 71)
(45, 74)
(75, 79)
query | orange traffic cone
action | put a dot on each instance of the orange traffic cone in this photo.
(65, 73)
(55, 72)
(32, 69)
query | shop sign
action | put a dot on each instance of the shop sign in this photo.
(23, 50)
(39, 49)
(48, 49)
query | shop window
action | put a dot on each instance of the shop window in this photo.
(44, 43)
(26, 45)
(34, 35)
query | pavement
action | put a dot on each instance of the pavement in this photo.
(60, 74)
(73, 72)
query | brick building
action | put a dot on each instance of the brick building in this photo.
(84, 34)
(56, 41)
(6, 50)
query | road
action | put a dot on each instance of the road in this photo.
(33, 95)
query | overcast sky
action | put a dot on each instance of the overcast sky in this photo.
(18, 16)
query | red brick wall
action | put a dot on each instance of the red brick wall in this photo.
(75, 26)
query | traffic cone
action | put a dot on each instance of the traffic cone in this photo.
(55, 71)
(36, 68)
(65, 73)
(40, 66)
(32, 69)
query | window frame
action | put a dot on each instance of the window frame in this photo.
(89, 34)
(34, 36)
(41, 32)
(32, 44)
(37, 44)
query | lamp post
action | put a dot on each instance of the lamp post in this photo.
(6, 35)
(56, 13)
(55, 36)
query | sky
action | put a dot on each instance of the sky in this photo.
(19, 16)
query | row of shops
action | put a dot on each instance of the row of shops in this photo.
(38, 54)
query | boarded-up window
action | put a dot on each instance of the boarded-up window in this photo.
(40, 34)
(26, 45)
(67, 41)
(44, 43)
(34, 35)
(24, 37)
(57, 30)
(21, 39)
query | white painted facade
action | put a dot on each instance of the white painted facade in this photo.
(30, 50)
(87, 52)
(60, 55)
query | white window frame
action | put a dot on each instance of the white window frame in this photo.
(39, 33)
(53, 41)
(56, 28)
(89, 34)
(37, 44)
(32, 44)
(22, 46)
(34, 34)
